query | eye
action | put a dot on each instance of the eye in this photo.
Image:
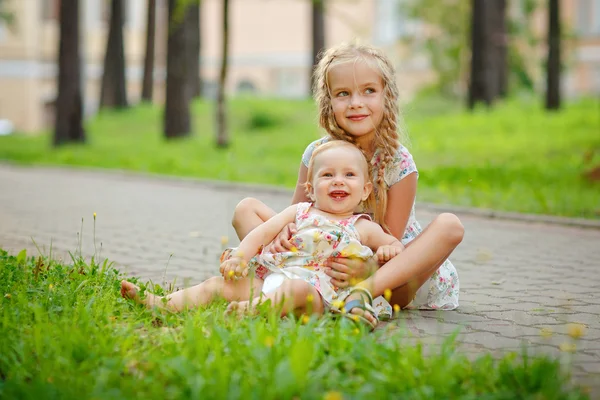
(369, 90)
(327, 174)
(343, 93)
(350, 174)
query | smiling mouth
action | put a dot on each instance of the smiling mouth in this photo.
(357, 117)
(338, 195)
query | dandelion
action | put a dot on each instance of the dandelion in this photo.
(356, 318)
(546, 333)
(568, 347)
(310, 298)
(576, 330)
(294, 249)
(269, 341)
(50, 286)
(387, 294)
(230, 274)
(338, 304)
(305, 319)
(224, 240)
(94, 215)
(333, 395)
(7, 295)
(356, 331)
(396, 308)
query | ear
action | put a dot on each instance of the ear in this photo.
(310, 192)
(367, 190)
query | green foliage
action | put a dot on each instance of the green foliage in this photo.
(66, 333)
(515, 157)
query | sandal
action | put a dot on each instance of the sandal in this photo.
(364, 303)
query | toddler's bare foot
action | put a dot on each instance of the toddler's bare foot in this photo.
(130, 291)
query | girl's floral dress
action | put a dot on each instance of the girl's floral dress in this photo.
(441, 290)
(318, 239)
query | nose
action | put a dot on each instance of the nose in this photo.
(338, 180)
(355, 100)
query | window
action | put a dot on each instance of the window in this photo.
(588, 18)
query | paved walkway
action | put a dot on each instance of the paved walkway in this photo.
(517, 279)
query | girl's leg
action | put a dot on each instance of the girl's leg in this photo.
(198, 295)
(408, 271)
(248, 214)
(293, 296)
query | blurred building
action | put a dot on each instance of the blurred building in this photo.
(270, 49)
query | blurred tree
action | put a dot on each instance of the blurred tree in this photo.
(488, 51)
(554, 66)
(113, 93)
(222, 132)
(5, 15)
(195, 46)
(318, 34)
(177, 121)
(68, 125)
(148, 79)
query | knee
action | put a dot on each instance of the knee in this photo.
(451, 227)
(215, 284)
(247, 206)
(297, 288)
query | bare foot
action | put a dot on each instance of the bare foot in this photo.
(360, 311)
(240, 308)
(130, 291)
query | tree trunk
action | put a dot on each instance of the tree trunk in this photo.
(553, 67)
(501, 43)
(68, 124)
(113, 93)
(318, 34)
(148, 80)
(488, 70)
(222, 132)
(177, 103)
(193, 19)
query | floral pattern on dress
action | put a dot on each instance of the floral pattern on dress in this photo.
(317, 240)
(440, 292)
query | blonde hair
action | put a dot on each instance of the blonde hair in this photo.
(386, 138)
(331, 145)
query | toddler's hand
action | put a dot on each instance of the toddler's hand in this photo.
(234, 268)
(282, 242)
(386, 252)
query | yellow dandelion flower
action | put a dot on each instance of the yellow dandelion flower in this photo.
(7, 295)
(50, 286)
(224, 240)
(356, 331)
(576, 330)
(356, 318)
(269, 341)
(568, 347)
(94, 215)
(294, 249)
(396, 308)
(230, 273)
(310, 298)
(338, 304)
(305, 319)
(333, 395)
(387, 294)
(353, 281)
(546, 332)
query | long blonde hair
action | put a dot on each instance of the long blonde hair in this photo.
(386, 138)
(333, 144)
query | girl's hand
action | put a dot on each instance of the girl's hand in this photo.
(387, 252)
(233, 268)
(345, 272)
(282, 242)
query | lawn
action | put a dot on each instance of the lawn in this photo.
(66, 333)
(515, 157)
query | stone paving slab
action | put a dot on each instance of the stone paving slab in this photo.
(517, 278)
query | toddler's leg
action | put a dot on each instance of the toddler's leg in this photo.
(293, 296)
(248, 214)
(198, 295)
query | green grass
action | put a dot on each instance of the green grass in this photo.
(66, 333)
(515, 157)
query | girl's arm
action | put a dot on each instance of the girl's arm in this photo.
(300, 192)
(265, 233)
(373, 236)
(401, 197)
